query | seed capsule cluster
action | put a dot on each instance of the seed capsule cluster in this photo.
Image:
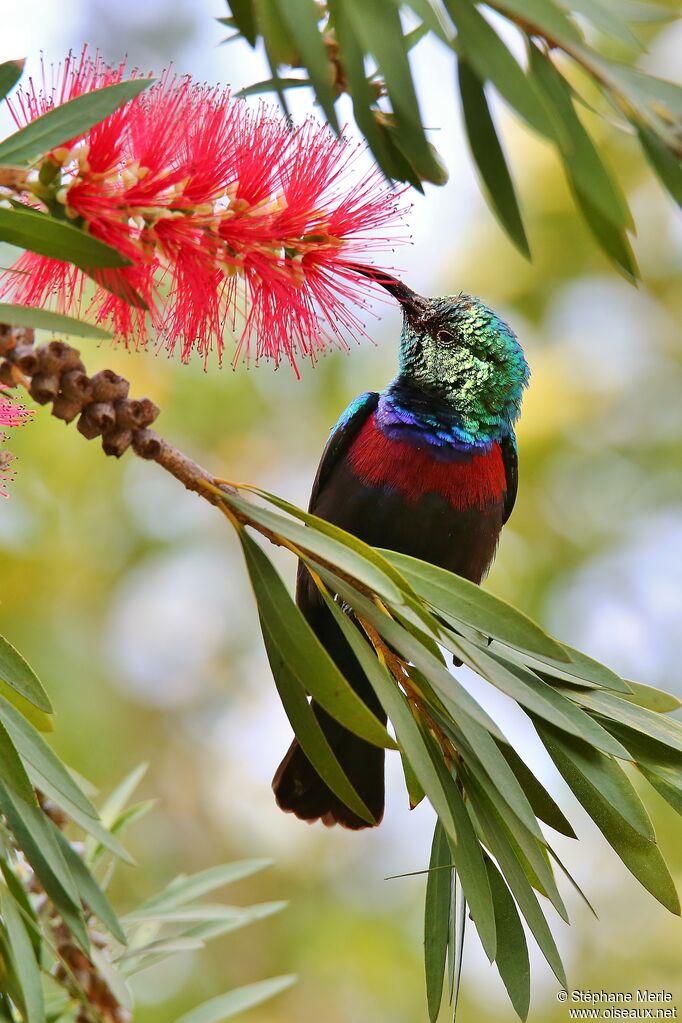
(55, 375)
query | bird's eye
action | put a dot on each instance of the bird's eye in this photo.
(445, 338)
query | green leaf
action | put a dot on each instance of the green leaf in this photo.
(10, 73)
(508, 862)
(415, 791)
(671, 793)
(17, 676)
(328, 546)
(23, 902)
(478, 42)
(407, 730)
(183, 889)
(458, 919)
(436, 915)
(539, 798)
(602, 17)
(378, 28)
(23, 959)
(640, 855)
(467, 856)
(274, 85)
(36, 752)
(455, 698)
(226, 1006)
(664, 161)
(582, 670)
(489, 158)
(35, 837)
(512, 950)
(88, 889)
(605, 776)
(466, 601)
(306, 658)
(12, 772)
(68, 121)
(664, 729)
(290, 685)
(57, 239)
(302, 19)
(540, 699)
(651, 698)
(483, 755)
(584, 164)
(245, 18)
(43, 319)
(543, 15)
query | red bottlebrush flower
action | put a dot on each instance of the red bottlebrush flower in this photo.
(11, 415)
(231, 218)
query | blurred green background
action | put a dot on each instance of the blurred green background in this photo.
(130, 599)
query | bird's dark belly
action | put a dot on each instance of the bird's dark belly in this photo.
(428, 526)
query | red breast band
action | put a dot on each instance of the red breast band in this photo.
(411, 470)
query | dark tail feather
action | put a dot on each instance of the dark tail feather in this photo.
(298, 787)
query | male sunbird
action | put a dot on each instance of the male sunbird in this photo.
(428, 467)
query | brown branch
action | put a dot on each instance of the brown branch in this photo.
(53, 374)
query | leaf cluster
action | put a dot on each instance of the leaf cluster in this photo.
(363, 47)
(490, 853)
(64, 951)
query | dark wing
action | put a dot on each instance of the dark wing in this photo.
(342, 436)
(510, 457)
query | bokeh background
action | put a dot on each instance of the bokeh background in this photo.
(130, 598)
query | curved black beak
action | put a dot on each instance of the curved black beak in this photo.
(415, 306)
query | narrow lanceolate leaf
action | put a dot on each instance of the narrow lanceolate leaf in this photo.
(456, 934)
(411, 739)
(542, 700)
(597, 194)
(436, 915)
(539, 798)
(18, 682)
(605, 776)
(672, 793)
(498, 843)
(475, 607)
(88, 889)
(36, 752)
(544, 15)
(512, 950)
(226, 1006)
(12, 771)
(302, 19)
(657, 726)
(68, 121)
(43, 319)
(327, 546)
(486, 150)
(468, 858)
(23, 958)
(479, 43)
(244, 15)
(10, 73)
(58, 239)
(305, 657)
(652, 699)
(612, 23)
(34, 836)
(640, 855)
(581, 670)
(291, 681)
(183, 889)
(378, 27)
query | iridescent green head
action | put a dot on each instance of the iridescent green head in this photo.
(458, 349)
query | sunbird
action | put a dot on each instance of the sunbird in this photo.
(427, 467)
